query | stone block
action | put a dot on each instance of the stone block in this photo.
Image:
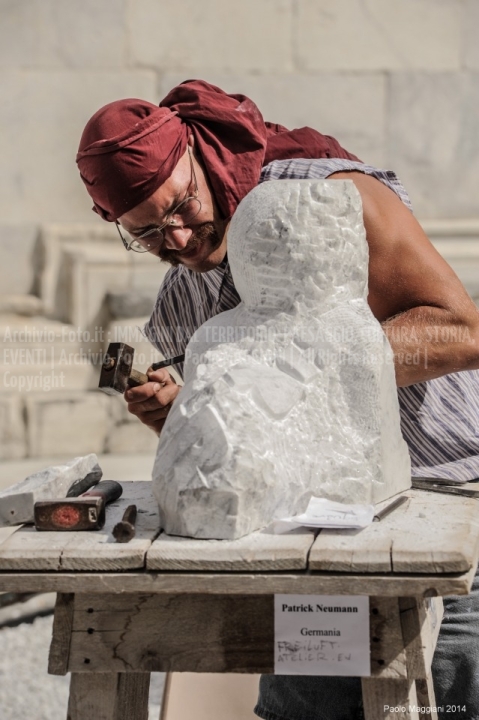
(39, 354)
(67, 253)
(130, 438)
(24, 305)
(376, 35)
(81, 268)
(65, 374)
(18, 249)
(67, 424)
(127, 435)
(218, 35)
(42, 116)
(54, 33)
(302, 354)
(470, 43)
(86, 264)
(432, 141)
(13, 443)
(349, 106)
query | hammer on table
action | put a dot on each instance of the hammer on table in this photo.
(117, 372)
(85, 512)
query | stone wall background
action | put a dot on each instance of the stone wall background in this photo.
(397, 82)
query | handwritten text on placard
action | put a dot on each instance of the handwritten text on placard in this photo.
(321, 635)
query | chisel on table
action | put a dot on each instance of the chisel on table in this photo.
(86, 512)
(124, 531)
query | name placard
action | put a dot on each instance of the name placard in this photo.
(321, 635)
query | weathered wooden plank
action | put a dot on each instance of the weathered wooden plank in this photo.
(433, 533)
(350, 551)
(160, 633)
(28, 549)
(420, 621)
(92, 696)
(206, 633)
(61, 636)
(132, 696)
(255, 552)
(435, 615)
(384, 699)
(426, 698)
(240, 583)
(6, 532)
(109, 696)
(441, 536)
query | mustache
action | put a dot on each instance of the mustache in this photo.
(205, 232)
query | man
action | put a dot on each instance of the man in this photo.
(171, 177)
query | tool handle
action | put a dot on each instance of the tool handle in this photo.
(80, 486)
(137, 378)
(107, 490)
(167, 363)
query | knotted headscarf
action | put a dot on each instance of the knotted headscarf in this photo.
(130, 147)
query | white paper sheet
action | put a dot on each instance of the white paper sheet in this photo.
(322, 635)
(322, 513)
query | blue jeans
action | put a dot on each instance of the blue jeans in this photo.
(455, 670)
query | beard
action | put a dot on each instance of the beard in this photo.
(205, 233)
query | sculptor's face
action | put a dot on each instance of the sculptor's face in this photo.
(199, 246)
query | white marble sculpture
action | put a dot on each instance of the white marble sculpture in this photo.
(292, 393)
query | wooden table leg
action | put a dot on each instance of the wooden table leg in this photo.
(389, 699)
(108, 696)
(420, 622)
(412, 695)
(95, 695)
(426, 697)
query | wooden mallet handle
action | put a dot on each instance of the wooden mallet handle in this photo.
(137, 378)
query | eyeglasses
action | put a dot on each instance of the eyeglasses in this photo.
(183, 214)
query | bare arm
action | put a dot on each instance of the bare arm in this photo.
(431, 322)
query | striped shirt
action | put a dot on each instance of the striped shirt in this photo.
(439, 418)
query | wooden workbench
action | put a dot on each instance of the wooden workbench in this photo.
(125, 610)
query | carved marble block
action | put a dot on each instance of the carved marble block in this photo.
(292, 393)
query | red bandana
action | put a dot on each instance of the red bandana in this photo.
(130, 147)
